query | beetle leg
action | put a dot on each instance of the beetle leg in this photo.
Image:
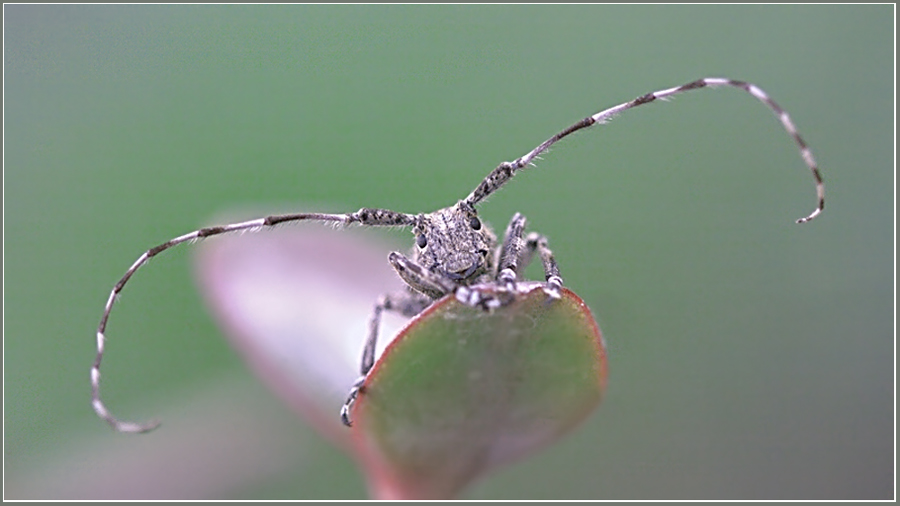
(408, 304)
(536, 241)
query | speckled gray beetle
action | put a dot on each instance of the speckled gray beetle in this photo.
(454, 249)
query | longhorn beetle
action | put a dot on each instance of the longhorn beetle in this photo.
(453, 249)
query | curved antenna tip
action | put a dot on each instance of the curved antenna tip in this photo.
(810, 217)
(136, 428)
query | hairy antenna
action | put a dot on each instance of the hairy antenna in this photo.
(372, 217)
(505, 171)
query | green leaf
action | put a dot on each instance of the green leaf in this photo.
(461, 390)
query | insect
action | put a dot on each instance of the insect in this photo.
(454, 250)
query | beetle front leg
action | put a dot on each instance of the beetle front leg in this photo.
(431, 284)
(511, 253)
(437, 285)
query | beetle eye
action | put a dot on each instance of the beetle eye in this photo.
(421, 241)
(475, 223)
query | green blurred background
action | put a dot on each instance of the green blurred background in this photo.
(749, 357)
